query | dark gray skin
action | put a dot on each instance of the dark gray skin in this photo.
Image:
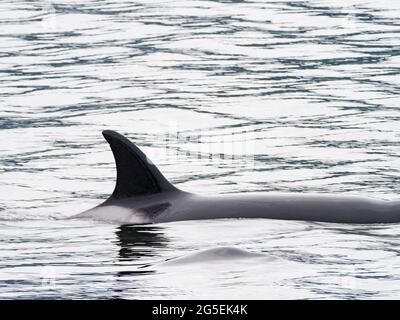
(142, 195)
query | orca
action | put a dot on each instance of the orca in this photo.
(142, 195)
(216, 255)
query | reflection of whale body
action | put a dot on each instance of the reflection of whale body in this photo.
(137, 242)
(142, 195)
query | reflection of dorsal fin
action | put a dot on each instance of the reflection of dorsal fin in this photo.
(136, 175)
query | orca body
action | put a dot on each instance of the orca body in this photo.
(142, 196)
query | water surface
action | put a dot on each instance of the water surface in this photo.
(311, 86)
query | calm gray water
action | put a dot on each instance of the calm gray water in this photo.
(312, 86)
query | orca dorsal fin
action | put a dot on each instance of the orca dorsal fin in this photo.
(136, 174)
